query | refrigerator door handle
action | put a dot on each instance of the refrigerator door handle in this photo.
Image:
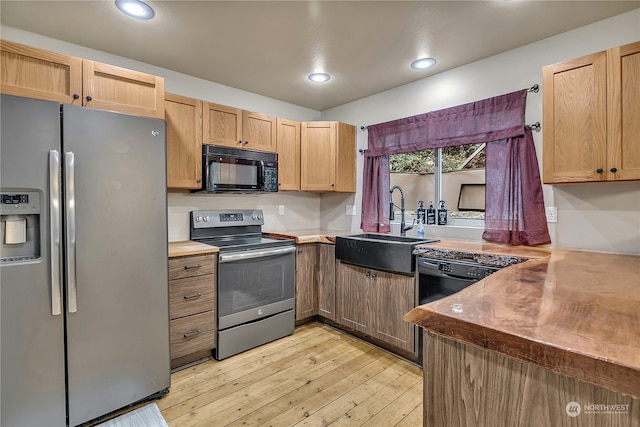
(54, 227)
(70, 205)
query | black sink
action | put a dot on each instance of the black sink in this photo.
(380, 251)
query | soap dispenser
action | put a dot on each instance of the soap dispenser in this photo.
(442, 214)
(420, 212)
(431, 214)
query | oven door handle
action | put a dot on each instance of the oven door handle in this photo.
(239, 256)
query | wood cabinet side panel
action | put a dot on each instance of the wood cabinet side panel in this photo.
(623, 108)
(346, 158)
(327, 282)
(318, 156)
(222, 125)
(108, 87)
(467, 385)
(288, 147)
(184, 141)
(306, 281)
(36, 73)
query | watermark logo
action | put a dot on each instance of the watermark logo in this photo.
(573, 409)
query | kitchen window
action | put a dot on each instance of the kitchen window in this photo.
(453, 174)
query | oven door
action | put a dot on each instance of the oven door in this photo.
(255, 284)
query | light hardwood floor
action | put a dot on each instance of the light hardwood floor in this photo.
(319, 376)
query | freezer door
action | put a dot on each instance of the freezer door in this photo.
(32, 331)
(117, 303)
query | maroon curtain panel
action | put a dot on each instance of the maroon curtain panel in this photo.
(375, 207)
(513, 197)
(501, 119)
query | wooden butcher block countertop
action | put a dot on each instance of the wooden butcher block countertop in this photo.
(310, 235)
(189, 247)
(576, 313)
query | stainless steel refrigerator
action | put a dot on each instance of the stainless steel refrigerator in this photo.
(83, 269)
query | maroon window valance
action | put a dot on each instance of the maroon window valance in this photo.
(514, 204)
(487, 120)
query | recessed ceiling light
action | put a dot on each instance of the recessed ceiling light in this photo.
(319, 77)
(422, 63)
(135, 9)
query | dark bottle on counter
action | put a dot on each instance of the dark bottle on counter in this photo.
(442, 214)
(431, 214)
(420, 212)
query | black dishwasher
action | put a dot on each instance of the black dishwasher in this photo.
(439, 278)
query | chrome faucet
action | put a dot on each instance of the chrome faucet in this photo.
(403, 229)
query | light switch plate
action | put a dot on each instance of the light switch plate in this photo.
(351, 210)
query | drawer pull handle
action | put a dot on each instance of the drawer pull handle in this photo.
(193, 296)
(190, 267)
(192, 334)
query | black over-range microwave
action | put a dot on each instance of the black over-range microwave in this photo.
(226, 169)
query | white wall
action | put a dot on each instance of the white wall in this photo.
(604, 216)
(601, 217)
(302, 210)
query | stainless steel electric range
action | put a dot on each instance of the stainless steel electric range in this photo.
(255, 280)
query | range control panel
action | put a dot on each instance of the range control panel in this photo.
(213, 219)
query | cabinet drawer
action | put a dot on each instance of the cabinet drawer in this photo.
(191, 266)
(192, 333)
(192, 295)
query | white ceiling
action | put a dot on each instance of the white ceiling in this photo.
(269, 47)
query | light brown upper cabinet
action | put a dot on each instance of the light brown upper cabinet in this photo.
(233, 127)
(288, 137)
(591, 107)
(184, 142)
(37, 73)
(328, 157)
(107, 87)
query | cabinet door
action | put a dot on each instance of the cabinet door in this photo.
(258, 131)
(574, 117)
(107, 87)
(354, 297)
(288, 143)
(184, 141)
(623, 90)
(222, 125)
(318, 156)
(394, 297)
(37, 73)
(327, 281)
(306, 281)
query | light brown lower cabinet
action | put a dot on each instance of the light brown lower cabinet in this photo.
(374, 302)
(327, 281)
(192, 308)
(306, 281)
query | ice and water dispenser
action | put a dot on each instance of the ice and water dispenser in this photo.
(20, 213)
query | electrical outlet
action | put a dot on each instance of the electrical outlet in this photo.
(351, 210)
(552, 214)
(280, 209)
